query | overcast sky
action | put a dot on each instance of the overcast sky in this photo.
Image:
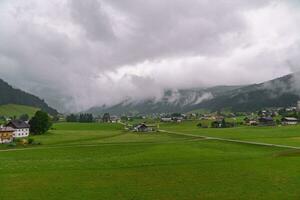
(81, 53)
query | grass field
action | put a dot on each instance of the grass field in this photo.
(11, 110)
(284, 135)
(102, 161)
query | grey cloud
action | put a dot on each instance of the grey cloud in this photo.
(90, 15)
(77, 54)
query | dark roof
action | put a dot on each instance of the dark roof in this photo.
(265, 119)
(18, 124)
(141, 126)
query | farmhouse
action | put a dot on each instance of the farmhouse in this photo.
(252, 123)
(144, 128)
(141, 128)
(177, 119)
(6, 134)
(21, 128)
(266, 121)
(289, 121)
(115, 119)
(166, 119)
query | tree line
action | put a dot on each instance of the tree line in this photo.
(87, 118)
(84, 118)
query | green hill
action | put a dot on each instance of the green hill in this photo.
(10, 95)
(11, 110)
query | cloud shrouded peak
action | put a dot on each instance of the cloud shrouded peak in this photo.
(78, 54)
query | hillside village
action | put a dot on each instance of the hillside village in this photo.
(268, 117)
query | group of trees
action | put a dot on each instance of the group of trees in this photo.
(217, 124)
(23, 117)
(84, 118)
(222, 124)
(106, 117)
(87, 118)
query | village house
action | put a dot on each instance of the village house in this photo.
(266, 121)
(166, 119)
(289, 121)
(250, 121)
(6, 134)
(144, 128)
(115, 119)
(21, 128)
(207, 117)
(141, 128)
(177, 119)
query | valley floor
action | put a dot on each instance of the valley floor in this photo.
(102, 161)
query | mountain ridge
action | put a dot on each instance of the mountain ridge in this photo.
(10, 95)
(278, 92)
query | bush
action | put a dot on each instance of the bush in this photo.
(36, 143)
(23, 141)
(30, 140)
(17, 140)
(12, 144)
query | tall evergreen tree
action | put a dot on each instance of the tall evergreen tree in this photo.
(106, 117)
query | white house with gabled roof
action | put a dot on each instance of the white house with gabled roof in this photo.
(21, 128)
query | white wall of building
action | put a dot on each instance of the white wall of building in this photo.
(23, 132)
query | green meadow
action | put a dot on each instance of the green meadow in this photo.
(103, 161)
(11, 110)
(282, 135)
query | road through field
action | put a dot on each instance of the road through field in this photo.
(232, 140)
